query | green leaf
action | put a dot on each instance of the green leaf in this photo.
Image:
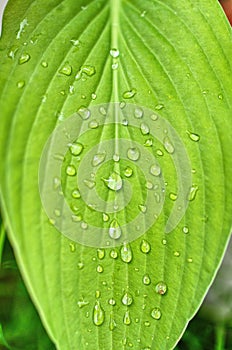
(140, 93)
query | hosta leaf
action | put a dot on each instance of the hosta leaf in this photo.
(140, 93)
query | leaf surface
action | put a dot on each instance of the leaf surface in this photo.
(165, 68)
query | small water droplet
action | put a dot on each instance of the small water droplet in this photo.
(116, 157)
(105, 217)
(126, 318)
(159, 152)
(81, 303)
(164, 241)
(80, 265)
(93, 124)
(98, 314)
(176, 254)
(129, 94)
(114, 254)
(66, 69)
(84, 225)
(142, 208)
(76, 148)
(84, 112)
(93, 96)
(220, 96)
(128, 172)
(159, 106)
(148, 143)
(115, 231)
(71, 170)
(194, 137)
(114, 182)
(133, 153)
(100, 253)
(155, 170)
(76, 194)
(44, 64)
(103, 111)
(168, 145)
(147, 324)
(156, 313)
(25, 57)
(20, 84)
(114, 66)
(12, 52)
(127, 299)
(145, 246)
(161, 288)
(173, 196)
(189, 260)
(72, 247)
(112, 323)
(149, 185)
(98, 159)
(112, 302)
(154, 117)
(185, 229)
(100, 268)
(126, 253)
(144, 129)
(97, 294)
(146, 280)
(88, 70)
(138, 113)
(114, 53)
(76, 218)
(193, 192)
(75, 42)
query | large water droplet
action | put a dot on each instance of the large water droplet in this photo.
(129, 94)
(25, 57)
(133, 153)
(156, 313)
(114, 53)
(193, 192)
(71, 170)
(144, 129)
(127, 299)
(168, 145)
(100, 253)
(146, 280)
(76, 148)
(88, 70)
(145, 246)
(161, 288)
(115, 231)
(98, 159)
(155, 170)
(98, 314)
(66, 69)
(84, 112)
(114, 182)
(194, 137)
(126, 253)
(126, 318)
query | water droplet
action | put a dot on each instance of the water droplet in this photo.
(103, 111)
(194, 137)
(114, 53)
(76, 194)
(72, 247)
(112, 302)
(25, 57)
(146, 280)
(71, 170)
(98, 314)
(164, 241)
(149, 185)
(127, 299)
(105, 217)
(114, 254)
(76, 218)
(193, 192)
(128, 172)
(114, 182)
(97, 294)
(161, 288)
(126, 253)
(156, 313)
(189, 260)
(126, 318)
(173, 196)
(148, 143)
(115, 231)
(116, 157)
(133, 153)
(144, 129)
(176, 254)
(44, 64)
(84, 225)
(147, 324)
(66, 69)
(88, 70)
(20, 84)
(154, 117)
(155, 170)
(75, 42)
(114, 66)
(185, 229)
(12, 52)
(81, 303)
(129, 94)
(84, 112)
(168, 145)
(138, 113)
(112, 323)
(159, 106)
(145, 246)
(93, 124)
(98, 159)
(76, 148)
(100, 268)
(142, 208)
(93, 96)
(100, 253)
(159, 152)
(220, 96)
(80, 265)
